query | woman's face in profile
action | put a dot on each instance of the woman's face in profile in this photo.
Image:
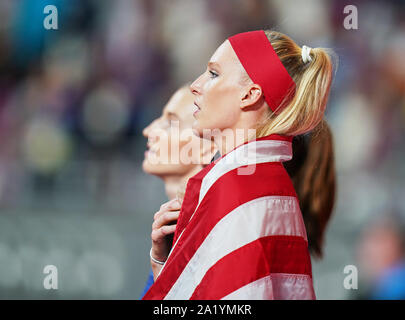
(218, 92)
(171, 139)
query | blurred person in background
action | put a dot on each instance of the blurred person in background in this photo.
(227, 243)
(160, 159)
(381, 257)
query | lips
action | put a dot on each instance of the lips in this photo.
(150, 149)
(198, 109)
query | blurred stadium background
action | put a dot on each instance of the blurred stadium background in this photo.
(74, 101)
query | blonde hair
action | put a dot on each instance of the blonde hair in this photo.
(303, 109)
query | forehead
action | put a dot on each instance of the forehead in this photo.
(225, 57)
(180, 102)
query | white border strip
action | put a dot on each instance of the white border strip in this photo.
(276, 286)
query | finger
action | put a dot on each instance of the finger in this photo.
(156, 215)
(165, 219)
(164, 205)
(172, 205)
(163, 208)
(166, 230)
(158, 235)
(180, 200)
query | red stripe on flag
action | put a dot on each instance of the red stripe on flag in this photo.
(190, 200)
(264, 256)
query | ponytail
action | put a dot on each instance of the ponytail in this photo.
(312, 170)
(303, 109)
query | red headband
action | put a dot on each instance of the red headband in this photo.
(263, 66)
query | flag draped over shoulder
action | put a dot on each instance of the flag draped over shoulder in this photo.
(240, 232)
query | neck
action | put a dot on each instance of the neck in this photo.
(230, 139)
(243, 130)
(174, 183)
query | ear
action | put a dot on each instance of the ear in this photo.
(251, 95)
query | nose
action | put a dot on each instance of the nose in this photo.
(146, 131)
(195, 87)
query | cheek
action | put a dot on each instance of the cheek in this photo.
(164, 146)
(222, 93)
(222, 107)
(159, 152)
(192, 149)
(171, 150)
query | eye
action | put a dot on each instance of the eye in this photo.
(213, 74)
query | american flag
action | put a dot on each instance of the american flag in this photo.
(240, 232)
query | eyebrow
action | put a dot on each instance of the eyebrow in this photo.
(172, 114)
(214, 65)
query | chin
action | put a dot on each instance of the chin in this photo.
(197, 133)
(197, 130)
(150, 168)
(163, 170)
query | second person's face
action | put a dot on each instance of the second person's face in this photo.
(166, 148)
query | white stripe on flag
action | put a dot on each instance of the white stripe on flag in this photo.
(265, 216)
(276, 286)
